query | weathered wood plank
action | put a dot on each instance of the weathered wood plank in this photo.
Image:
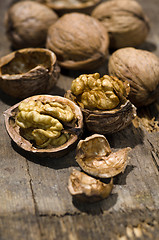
(19, 226)
(14, 178)
(34, 200)
(137, 224)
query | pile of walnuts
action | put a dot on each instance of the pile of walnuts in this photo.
(80, 34)
(81, 39)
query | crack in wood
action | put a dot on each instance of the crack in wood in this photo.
(61, 215)
(34, 201)
(155, 156)
(155, 159)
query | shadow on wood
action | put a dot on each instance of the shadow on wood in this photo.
(55, 163)
(97, 207)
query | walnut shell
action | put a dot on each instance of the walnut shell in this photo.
(141, 69)
(14, 130)
(27, 23)
(109, 121)
(79, 41)
(126, 22)
(28, 71)
(106, 165)
(62, 6)
(87, 188)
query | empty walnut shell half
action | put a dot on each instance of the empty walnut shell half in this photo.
(27, 23)
(141, 69)
(103, 102)
(126, 22)
(104, 166)
(62, 6)
(28, 71)
(79, 41)
(38, 122)
(87, 188)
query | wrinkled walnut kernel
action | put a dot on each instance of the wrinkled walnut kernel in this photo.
(40, 122)
(93, 92)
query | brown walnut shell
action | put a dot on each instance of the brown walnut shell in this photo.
(14, 130)
(106, 165)
(27, 23)
(79, 41)
(62, 6)
(126, 22)
(109, 121)
(141, 69)
(86, 188)
(28, 71)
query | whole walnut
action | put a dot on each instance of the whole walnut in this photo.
(141, 69)
(79, 41)
(27, 23)
(63, 6)
(126, 22)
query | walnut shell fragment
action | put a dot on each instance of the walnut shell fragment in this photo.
(95, 145)
(87, 188)
(103, 102)
(141, 69)
(27, 23)
(79, 41)
(103, 166)
(28, 71)
(73, 128)
(63, 7)
(126, 22)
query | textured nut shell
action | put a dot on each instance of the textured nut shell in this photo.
(39, 79)
(13, 129)
(141, 69)
(62, 7)
(95, 145)
(107, 122)
(126, 22)
(79, 41)
(100, 165)
(27, 23)
(87, 188)
(105, 167)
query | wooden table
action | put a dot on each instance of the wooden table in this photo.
(34, 201)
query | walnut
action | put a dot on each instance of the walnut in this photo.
(79, 41)
(27, 23)
(96, 93)
(126, 22)
(28, 71)
(46, 125)
(87, 188)
(63, 6)
(141, 69)
(103, 102)
(41, 122)
(103, 164)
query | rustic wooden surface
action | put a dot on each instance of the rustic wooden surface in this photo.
(34, 201)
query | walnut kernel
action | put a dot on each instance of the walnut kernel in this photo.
(45, 125)
(103, 102)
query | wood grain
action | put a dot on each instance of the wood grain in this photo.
(34, 199)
